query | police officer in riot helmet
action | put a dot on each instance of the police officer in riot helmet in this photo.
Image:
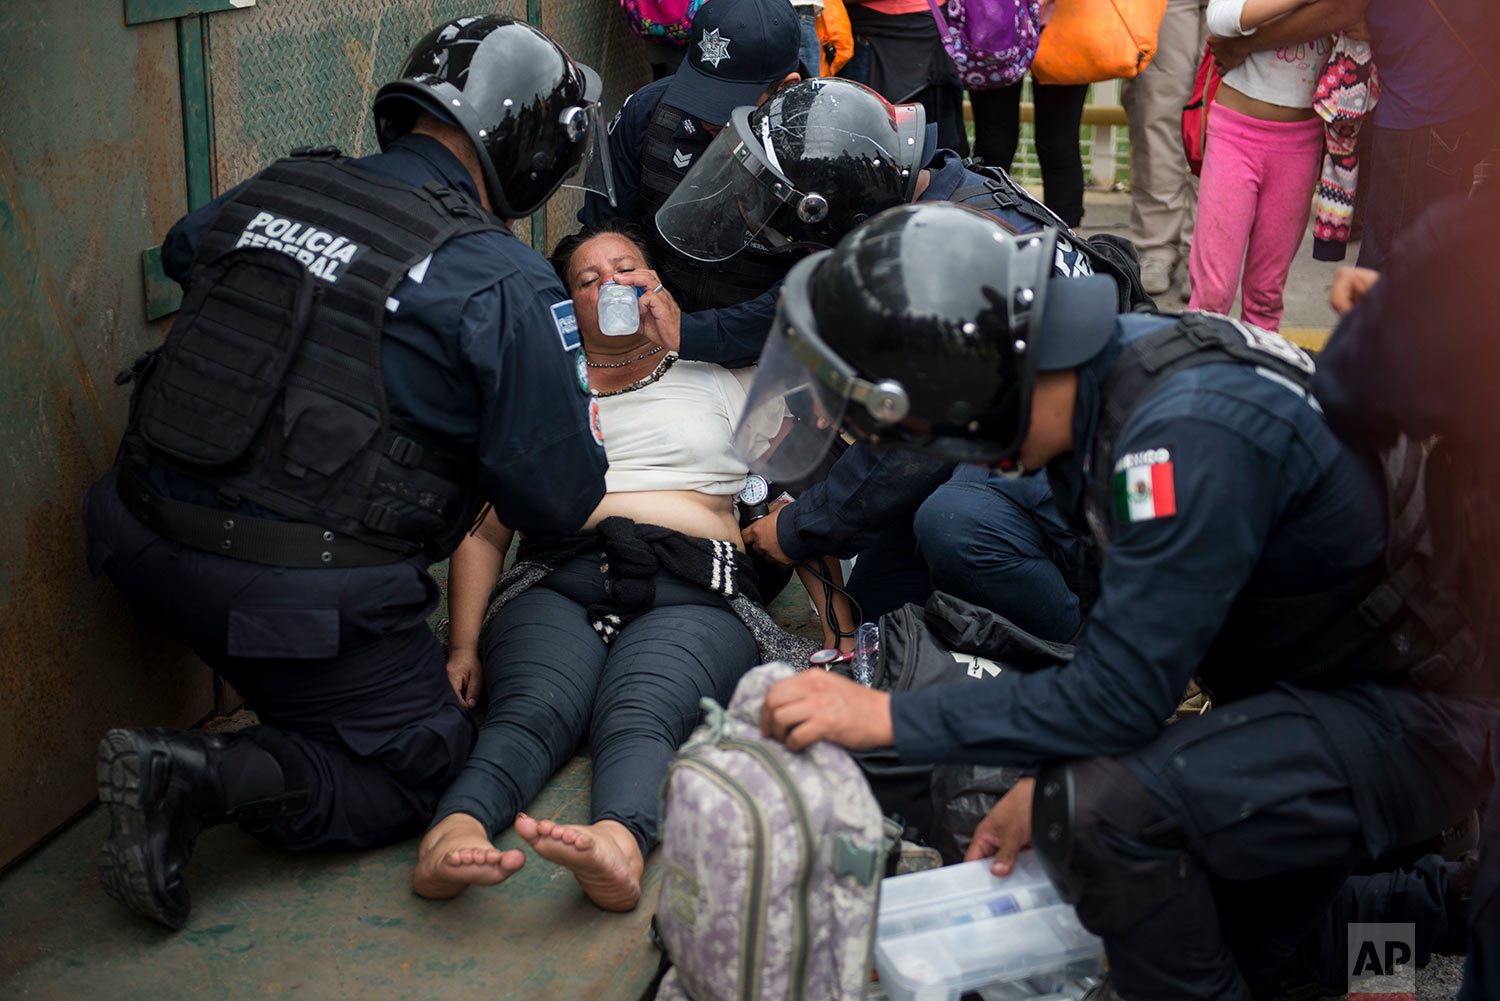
(530, 112)
(819, 157)
(364, 357)
(738, 53)
(799, 171)
(1243, 544)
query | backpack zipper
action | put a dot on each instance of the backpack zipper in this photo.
(751, 930)
(803, 824)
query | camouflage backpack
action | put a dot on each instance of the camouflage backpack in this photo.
(771, 863)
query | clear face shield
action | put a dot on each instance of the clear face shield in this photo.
(586, 122)
(728, 196)
(738, 191)
(802, 385)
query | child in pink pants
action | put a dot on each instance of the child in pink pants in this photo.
(1260, 168)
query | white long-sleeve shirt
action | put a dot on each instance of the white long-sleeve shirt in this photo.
(1286, 76)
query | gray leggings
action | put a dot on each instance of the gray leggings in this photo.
(552, 682)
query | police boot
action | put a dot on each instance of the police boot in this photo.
(162, 787)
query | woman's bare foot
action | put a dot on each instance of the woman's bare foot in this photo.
(603, 857)
(456, 853)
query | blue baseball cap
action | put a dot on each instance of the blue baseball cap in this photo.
(736, 49)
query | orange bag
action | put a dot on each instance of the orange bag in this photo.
(834, 30)
(1088, 41)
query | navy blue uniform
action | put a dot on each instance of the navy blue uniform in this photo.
(998, 546)
(1275, 796)
(627, 131)
(339, 664)
(1419, 354)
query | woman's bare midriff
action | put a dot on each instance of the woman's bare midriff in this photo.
(708, 516)
(1256, 108)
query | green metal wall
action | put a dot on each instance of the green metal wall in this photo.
(118, 115)
(91, 174)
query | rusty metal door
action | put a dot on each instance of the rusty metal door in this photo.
(91, 174)
(117, 118)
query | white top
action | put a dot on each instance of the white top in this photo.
(678, 432)
(1286, 76)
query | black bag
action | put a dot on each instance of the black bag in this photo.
(1108, 253)
(946, 641)
(961, 797)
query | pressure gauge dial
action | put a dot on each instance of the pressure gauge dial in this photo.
(755, 491)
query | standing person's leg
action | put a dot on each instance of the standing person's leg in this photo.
(944, 104)
(1228, 198)
(542, 663)
(1162, 190)
(1059, 110)
(858, 66)
(690, 646)
(1293, 153)
(1414, 168)
(997, 124)
(812, 48)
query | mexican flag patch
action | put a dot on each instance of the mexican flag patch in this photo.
(1143, 486)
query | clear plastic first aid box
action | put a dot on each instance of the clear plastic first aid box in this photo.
(946, 931)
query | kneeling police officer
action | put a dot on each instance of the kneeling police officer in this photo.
(365, 354)
(1243, 544)
(800, 171)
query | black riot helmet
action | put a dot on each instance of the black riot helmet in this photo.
(529, 109)
(800, 170)
(924, 329)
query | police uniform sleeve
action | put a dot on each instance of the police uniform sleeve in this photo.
(732, 336)
(864, 493)
(1180, 556)
(541, 456)
(626, 133)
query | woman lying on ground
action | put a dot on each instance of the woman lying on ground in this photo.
(614, 634)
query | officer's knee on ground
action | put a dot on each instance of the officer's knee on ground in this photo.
(1102, 840)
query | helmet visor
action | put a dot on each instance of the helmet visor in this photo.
(727, 197)
(587, 122)
(801, 383)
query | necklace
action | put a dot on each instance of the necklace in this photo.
(660, 371)
(622, 364)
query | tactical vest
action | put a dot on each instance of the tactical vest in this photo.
(1107, 254)
(1386, 623)
(268, 386)
(695, 284)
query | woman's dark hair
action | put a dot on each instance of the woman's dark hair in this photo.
(562, 254)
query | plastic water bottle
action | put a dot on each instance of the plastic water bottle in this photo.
(619, 316)
(866, 653)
